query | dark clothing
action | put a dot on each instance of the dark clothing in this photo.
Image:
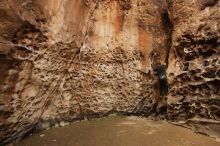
(161, 74)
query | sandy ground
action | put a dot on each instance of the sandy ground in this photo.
(118, 131)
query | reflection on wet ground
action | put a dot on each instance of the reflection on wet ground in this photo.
(118, 131)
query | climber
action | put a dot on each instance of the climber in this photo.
(160, 71)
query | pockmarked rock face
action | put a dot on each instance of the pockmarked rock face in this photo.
(194, 65)
(66, 60)
(63, 60)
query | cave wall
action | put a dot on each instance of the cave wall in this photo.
(67, 60)
(194, 65)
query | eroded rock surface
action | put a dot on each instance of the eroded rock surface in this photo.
(194, 65)
(73, 59)
(66, 60)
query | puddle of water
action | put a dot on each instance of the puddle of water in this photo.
(118, 131)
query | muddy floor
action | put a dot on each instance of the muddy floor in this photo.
(119, 131)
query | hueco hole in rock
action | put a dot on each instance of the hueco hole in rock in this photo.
(109, 72)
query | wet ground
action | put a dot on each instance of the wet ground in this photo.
(119, 131)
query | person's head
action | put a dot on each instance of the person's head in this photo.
(160, 70)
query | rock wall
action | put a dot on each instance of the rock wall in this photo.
(66, 60)
(194, 65)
